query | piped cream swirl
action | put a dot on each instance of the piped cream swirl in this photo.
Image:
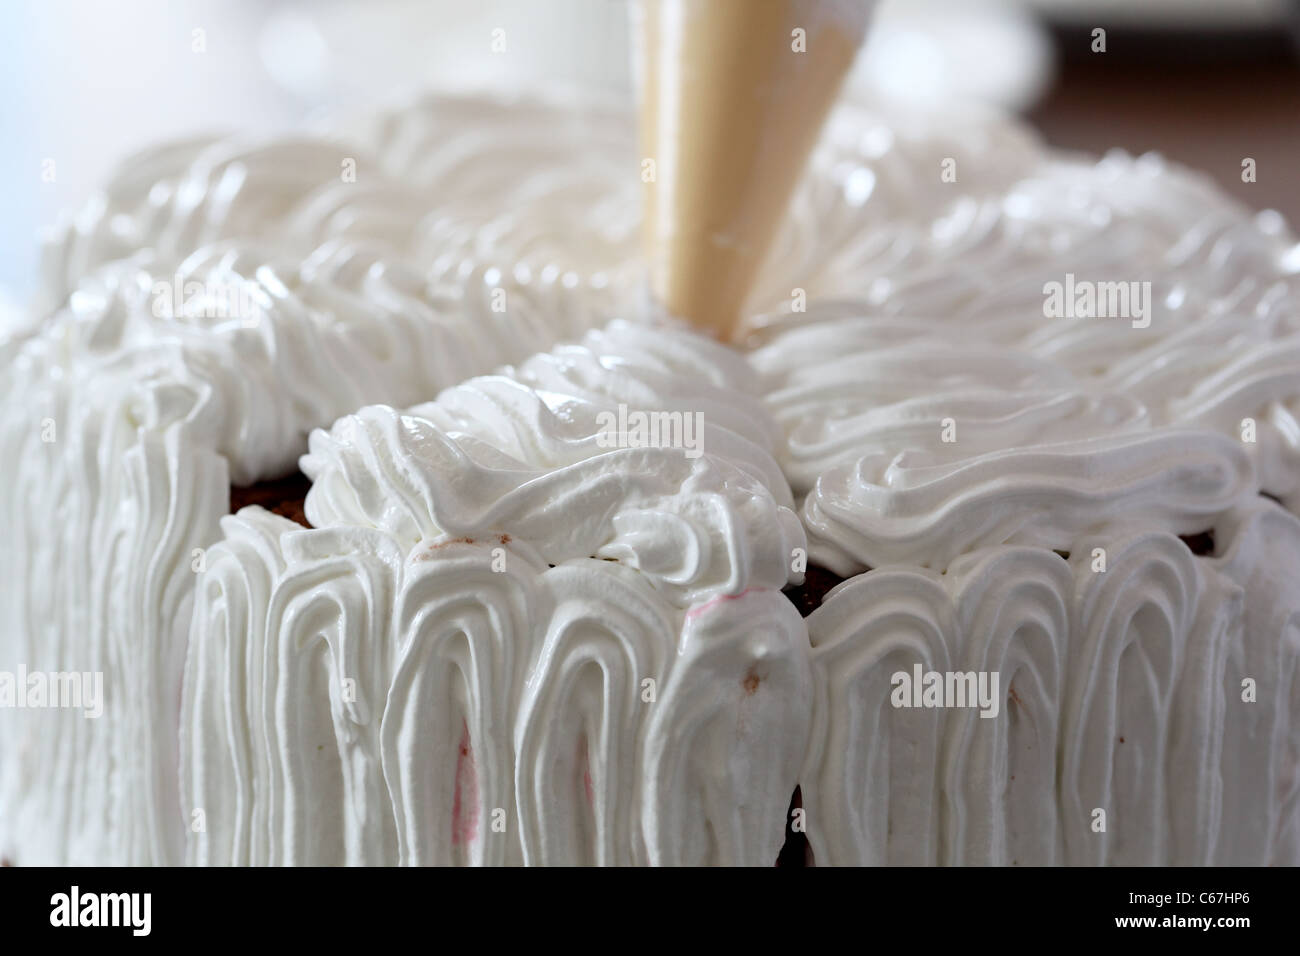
(530, 453)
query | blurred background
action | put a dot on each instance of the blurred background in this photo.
(87, 82)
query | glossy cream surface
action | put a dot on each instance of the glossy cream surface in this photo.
(375, 690)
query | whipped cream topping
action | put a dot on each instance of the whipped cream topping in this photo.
(374, 690)
(525, 452)
(214, 304)
(505, 643)
(1259, 822)
(912, 511)
(939, 406)
(947, 428)
(1120, 694)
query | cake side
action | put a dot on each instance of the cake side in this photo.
(522, 629)
(1004, 486)
(214, 304)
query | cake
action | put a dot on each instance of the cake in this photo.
(214, 304)
(1101, 509)
(464, 613)
(617, 678)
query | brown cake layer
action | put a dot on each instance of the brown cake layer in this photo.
(283, 496)
(807, 597)
(795, 852)
(1201, 544)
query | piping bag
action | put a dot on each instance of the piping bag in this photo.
(733, 96)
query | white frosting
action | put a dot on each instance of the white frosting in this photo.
(937, 399)
(371, 690)
(877, 512)
(650, 707)
(1261, 749)
(1116, 688)
(379, 289)
(943, 430)
(521, 452)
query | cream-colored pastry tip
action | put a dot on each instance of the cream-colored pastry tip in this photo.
(733, 95)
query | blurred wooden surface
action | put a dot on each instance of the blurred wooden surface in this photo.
(1209, 115)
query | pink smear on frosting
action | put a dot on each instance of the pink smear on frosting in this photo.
(707, 606)
(464, 810)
